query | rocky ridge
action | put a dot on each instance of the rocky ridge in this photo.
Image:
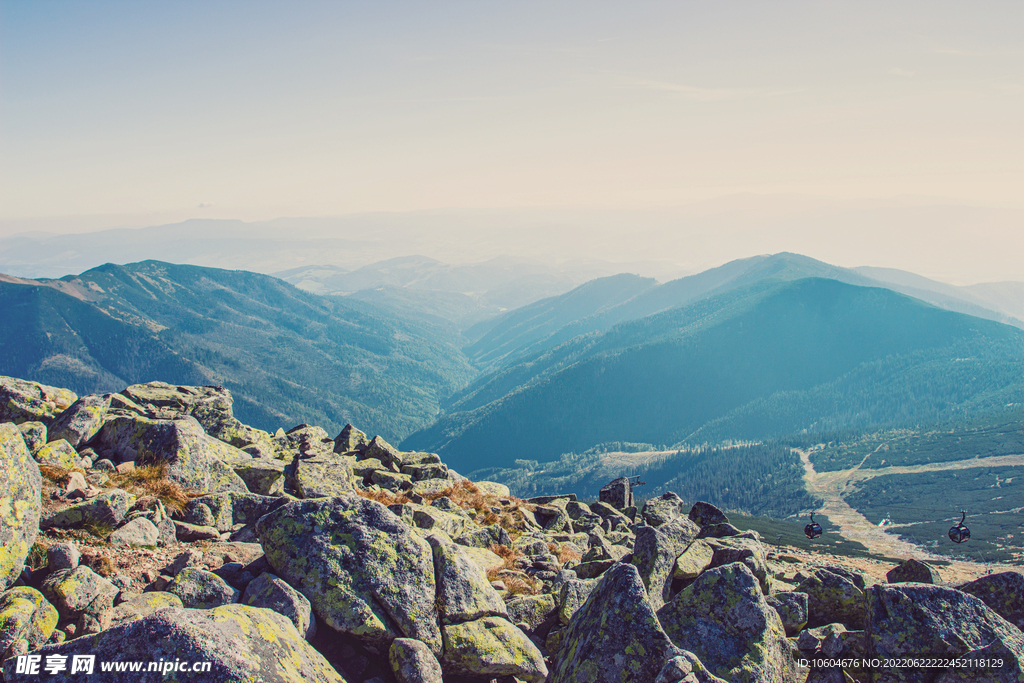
(151, 525)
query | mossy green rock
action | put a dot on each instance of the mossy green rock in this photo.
(532, 610)
(193, 458)
(463, 591)
(1003, 592)
(655, 552)
(264, 476)
(365, 573)
(34, 434)
(615, 636)
(492, 646)
(23, 401)
(909, 619)
(143, 605)
(20, 504)
(73, 591)
(81, 421)
(202, 589)
(723, 618)
(572, 595)
(59, 453)
(413, 662)
(832, 599)
(749, 551)
(25, 616)
(105, 510)
(242, 644)
(321, 476)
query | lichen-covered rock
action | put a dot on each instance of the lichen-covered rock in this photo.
(20, 505)
(390, 481)
(723, 618)
(492, 646)
(749, 551)
(1003, 592)
(271, 592)
(615, 636)
(34, 434)
(686, 668)
(488, 488)
(62, 556)
(73, 591)
(381, 450)
(704, 514)
(140, 532)
(617, 493)
(424, 471)
(193, 458)
(663, 509)
(532, 610)
(143, 605)
(81, 421)
(913, 571)
(485, 537)
(320, 476)
(365, 573)
(23, 401)
(792, 609)
(350, 439)
(463, 591)
(833, 599)
(264, 476)
(58, 453)
(655, 552)
(413, 662)
(572, 595)
(906, 620)
(693, 560)
(241, 643)
(105, 510)
(201, 589)
(25, 617)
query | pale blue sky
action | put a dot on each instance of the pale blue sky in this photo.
(139, 111)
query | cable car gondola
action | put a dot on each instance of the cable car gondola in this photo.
(960, 533)
(813, 530)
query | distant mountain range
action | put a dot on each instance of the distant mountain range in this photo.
(288, 356)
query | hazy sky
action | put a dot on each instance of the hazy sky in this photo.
(133, 112)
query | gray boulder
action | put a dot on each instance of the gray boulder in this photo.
(664, 508)
(350, 439)
(58, 453)
(193, 458)
(22, 487)
(26, 621)
(413, 662)
(686, 668)
(704, 514)
(34, 434)
(749, 551)
(491, 646)
(79, 590)
(143, 605)
(913, 571)
(463, 591)
(723, 618)
(908, 620)
(320, 476)
(381, 450)
(241, 643)
(105, 510)
(618, 494)
(792, 609)
(201, 589)
(655, 553)
(831, 599)
(81, 421)
(365, 573)
(615, 636)
(140, 532)
(271, 592)
(22, 401)
(62, 556)
(1003, 592)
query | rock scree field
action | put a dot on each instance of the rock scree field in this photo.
(149, 535)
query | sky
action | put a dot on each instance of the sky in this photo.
(138, 113)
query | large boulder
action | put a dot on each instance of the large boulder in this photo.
(201, 589)
(492, 646)
(240, 643)
(705, 514)
(193, 458)
(832, 599)
(913, 571)
(655, 552)
(271, 592)
(1003, 592)
(26, 621)
(79, 590)
(723, 618)
(22, 401)
(615, 636)
(618, 493)
(749, 551)
(912, 620)
(413, 662)
(320, 476)
(463, 591)
(143, 605)
(664, 508)
(21, 504)
(108, 509)
(792, 609)
(81, 421)
(350, 440)
(58, 453)
(365, 573)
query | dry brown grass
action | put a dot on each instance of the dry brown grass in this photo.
(384, 497)
(486, 509)
(563, 554)
(57, 474)
(152, 480)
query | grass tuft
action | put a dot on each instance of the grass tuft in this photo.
(384, 497)
(152, 480)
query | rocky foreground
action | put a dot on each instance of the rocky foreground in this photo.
(152, 526)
